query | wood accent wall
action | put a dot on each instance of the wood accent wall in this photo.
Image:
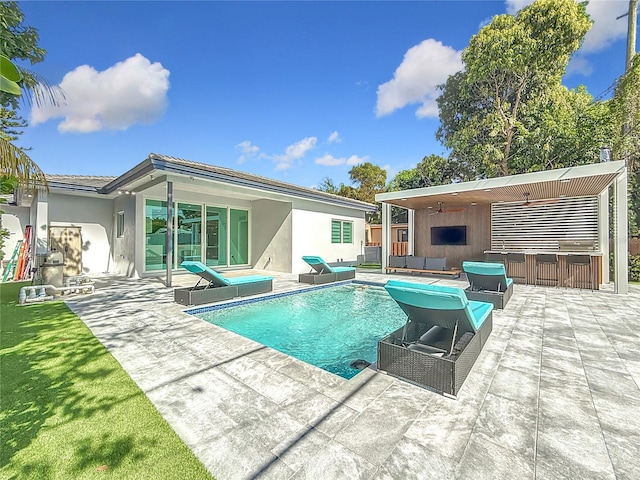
(477, 219)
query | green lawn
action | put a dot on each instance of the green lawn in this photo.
(67, 408)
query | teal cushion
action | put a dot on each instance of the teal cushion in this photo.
(248, 279)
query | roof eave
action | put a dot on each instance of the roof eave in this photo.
(156, 163)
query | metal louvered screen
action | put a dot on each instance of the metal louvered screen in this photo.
(543, 225)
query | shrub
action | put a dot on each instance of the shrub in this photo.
(634, 268)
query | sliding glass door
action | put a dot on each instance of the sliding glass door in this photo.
(216, 236)
(238, 237)
(188, 233)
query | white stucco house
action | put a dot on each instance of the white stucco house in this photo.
(222, 217)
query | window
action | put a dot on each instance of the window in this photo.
(120, 225)
(341, 232)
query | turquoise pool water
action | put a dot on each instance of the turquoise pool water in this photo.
(329, 327)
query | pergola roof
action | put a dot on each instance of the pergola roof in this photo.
(585, 180)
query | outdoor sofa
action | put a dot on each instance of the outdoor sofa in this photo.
(217, 287)
(428, 265)
(444, 335)
(488, 282)
(321, 272)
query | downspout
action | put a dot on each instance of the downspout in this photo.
(169, 233)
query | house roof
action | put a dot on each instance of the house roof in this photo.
(178, 166)
(580, 181)
(89, 181)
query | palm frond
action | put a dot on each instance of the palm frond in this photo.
(40, 92)
(14, 162)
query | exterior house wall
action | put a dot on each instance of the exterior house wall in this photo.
(124, 246)
(311, 229)
(271, 235)
(95, 217)
(14, 219)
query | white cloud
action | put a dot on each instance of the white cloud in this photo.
(329, 160)
(334, 138)
(424, 67)
(129, 92)
(579, 64)
(247, 150)
(513, 6)
(606, 29)
(294, 152)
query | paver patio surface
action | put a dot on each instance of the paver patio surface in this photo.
(554, 394)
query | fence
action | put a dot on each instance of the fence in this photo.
(373, 252)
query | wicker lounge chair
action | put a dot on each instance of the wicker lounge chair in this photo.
(488, 283)
(442, 338)
(323, 273)
(218, 287)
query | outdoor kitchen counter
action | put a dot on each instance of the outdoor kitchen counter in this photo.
(563, 274)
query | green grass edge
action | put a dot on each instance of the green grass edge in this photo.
(69, 410)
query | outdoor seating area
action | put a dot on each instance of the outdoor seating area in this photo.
(488, 282)
(444, 335)
(217, 287)
(414, 264)
(321, 272)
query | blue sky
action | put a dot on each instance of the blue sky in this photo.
(297, 91)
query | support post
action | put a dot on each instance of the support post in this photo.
(411, 218)
(631, 32)
(603, 233)
(169, 237)
(386, 235)
(621, 234)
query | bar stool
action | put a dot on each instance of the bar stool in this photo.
(516, 267)
(548, 263)
(493, 258)
(579, 271)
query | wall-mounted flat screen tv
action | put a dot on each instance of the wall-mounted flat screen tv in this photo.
(456, 235)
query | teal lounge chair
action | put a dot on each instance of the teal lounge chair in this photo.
(488, 283)
(444, 334)
(219, 287)
(321, 272)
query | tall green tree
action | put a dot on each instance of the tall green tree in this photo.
(369, 179)
(513, 68)
(625, 112)
(432, 170)
(19, 42)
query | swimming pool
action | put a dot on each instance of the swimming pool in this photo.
(327, 327)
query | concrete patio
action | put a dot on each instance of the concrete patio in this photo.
(554, 394)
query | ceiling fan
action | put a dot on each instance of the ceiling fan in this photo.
(448, 210)
(531, 203)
